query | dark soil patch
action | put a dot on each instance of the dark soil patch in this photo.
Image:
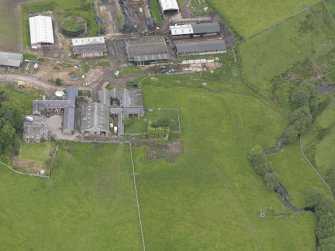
(168, 152)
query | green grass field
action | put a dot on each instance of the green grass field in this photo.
(291, 167)
(210, 198)
(248, 17)
(276, 50)
(36, 152)
(88, 204)
(319, 147)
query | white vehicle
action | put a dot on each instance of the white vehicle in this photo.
(29, 118)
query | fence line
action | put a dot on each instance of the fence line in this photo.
(136, 195)
(313, 167)
(22, 173)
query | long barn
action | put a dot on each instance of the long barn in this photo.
(41, 31)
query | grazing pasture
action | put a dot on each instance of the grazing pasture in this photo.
(88, 204)
(276, 50)
(210, 197)
(248, 17)
(10, 25)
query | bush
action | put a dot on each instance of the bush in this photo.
(300, 97)
(272, 181)
(324, 206)
(58, 82)
(257, 155)
(326, 226)
(164, 122)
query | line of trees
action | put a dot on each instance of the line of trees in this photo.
(11, 114)
(324, 207)
(304, 103)
(262, 167)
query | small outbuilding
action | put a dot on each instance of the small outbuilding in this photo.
(89, 47)
(10, 59)
(169, 7)
(41, 31)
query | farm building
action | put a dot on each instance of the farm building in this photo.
(35, 132)
(122, 103)
(201, 47)
(10, 59)
(95, 119)
(67, 107)
(147, 50)
(169, 7)
(89, 47)
(41, 31)
(200, 29)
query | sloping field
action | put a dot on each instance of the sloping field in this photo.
(274, 51)
(248, 17)
(9, 26)
(88, 204)
(210, 198)
(291, 167)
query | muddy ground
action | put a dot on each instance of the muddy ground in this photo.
(155, 150)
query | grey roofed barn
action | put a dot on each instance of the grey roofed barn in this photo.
(92, 48)
(40, 105)
(89, 45)
(122, 103)
(10, 59)
(95, 118)
(206, 28)
(68, 120)
(147, 49)
(201, 47)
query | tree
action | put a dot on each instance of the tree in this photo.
(272, 181)
(314, 197)
(300, 97)
(13, 113)
(257, 155)
(7, 135)
(326, 226)
(58, 82)
(291, 134)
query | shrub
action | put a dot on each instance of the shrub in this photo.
(58, 82)
(272, 181)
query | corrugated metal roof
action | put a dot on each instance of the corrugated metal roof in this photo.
(10, 59)
(88, 41)
(152, 57)
(95, 118)
(68, 119)
(169, 5)
(147, 48)
(206, 28)
(184, 29)
(41, 30)
(89, 48)
(201, 46)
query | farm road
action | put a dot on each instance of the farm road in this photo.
(32, 81)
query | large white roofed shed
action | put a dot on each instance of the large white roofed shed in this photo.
(88, 41)
(41, 31)
(169, 5)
